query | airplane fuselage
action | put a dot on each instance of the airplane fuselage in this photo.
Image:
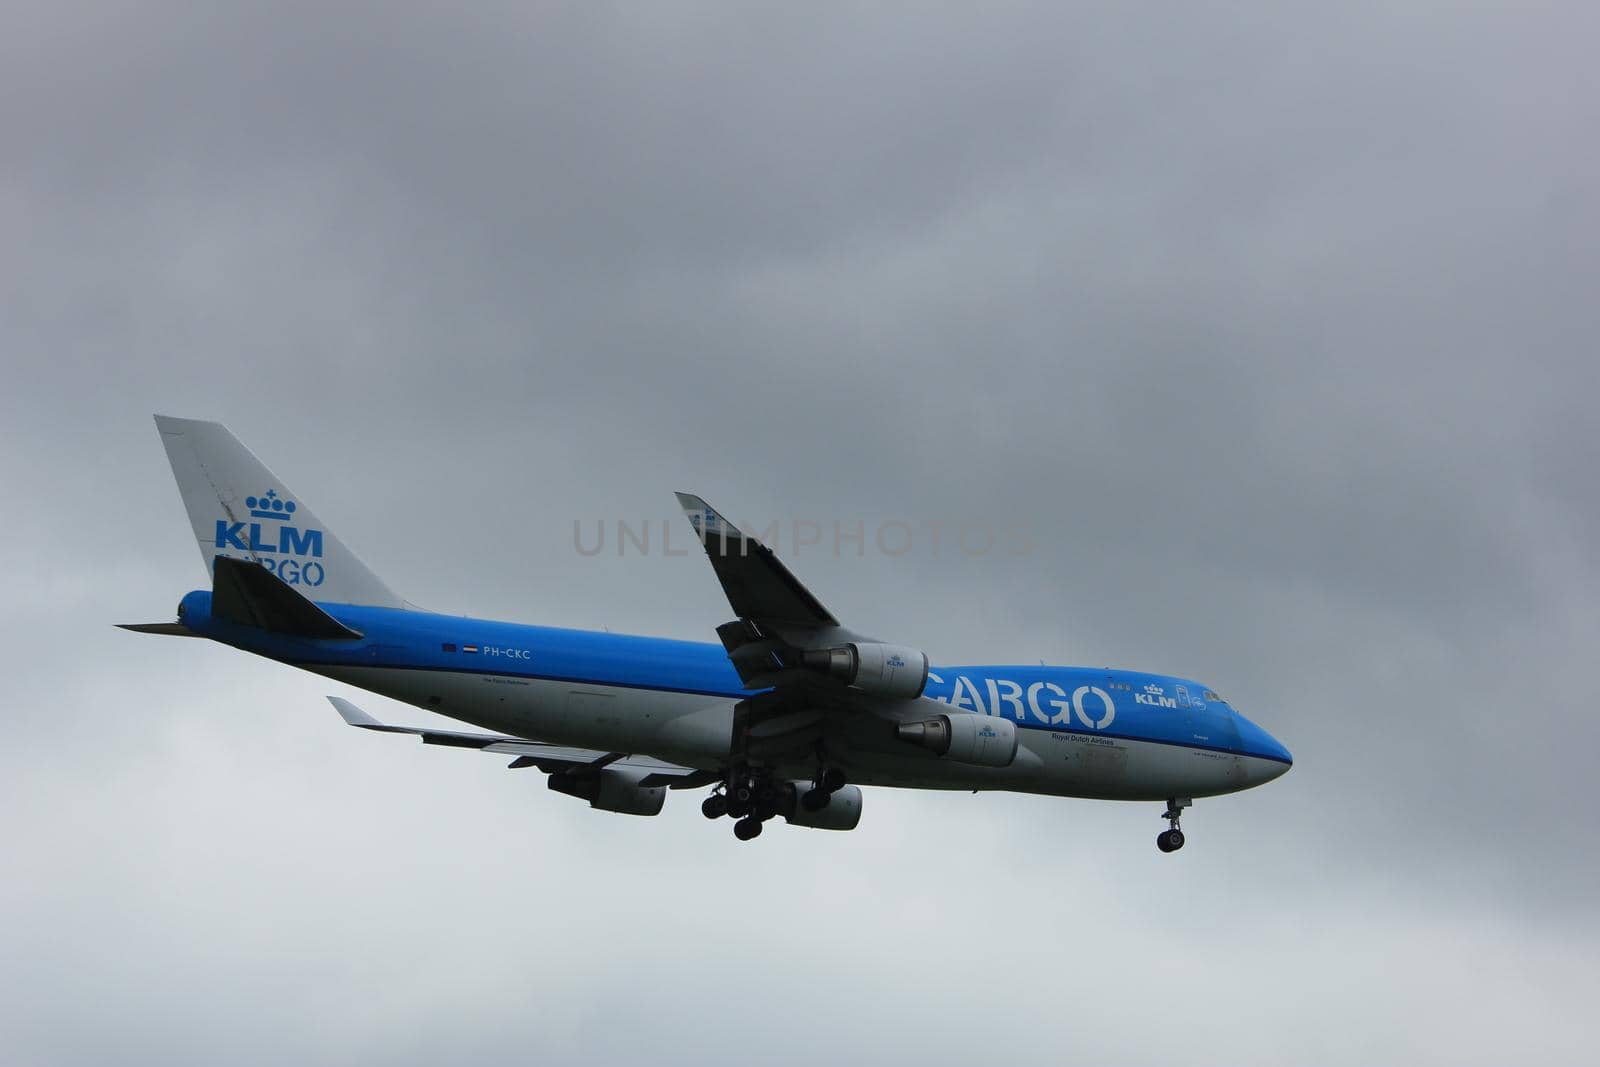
(1083, 732)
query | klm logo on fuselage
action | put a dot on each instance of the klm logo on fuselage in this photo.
(1156, 697)
(286, 550)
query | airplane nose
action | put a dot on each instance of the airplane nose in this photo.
(1272, 759)
(1271, 770)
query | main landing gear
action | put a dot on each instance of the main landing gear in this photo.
(751, 797)
(1171, 839)
(828, 783)
(723, 801)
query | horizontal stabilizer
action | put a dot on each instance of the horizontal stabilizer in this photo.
(171, 629)
(246, 593)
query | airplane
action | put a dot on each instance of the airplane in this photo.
(789, 714)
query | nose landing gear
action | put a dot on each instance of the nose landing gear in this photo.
(1171, 839)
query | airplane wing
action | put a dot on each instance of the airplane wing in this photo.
(814, 672)
(758, 586)
(551, 759)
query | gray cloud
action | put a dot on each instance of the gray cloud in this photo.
(1271, 324)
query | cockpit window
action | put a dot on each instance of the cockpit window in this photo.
(1211, 695)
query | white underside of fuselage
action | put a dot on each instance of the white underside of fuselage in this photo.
(695, 730)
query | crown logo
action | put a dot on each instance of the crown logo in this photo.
(270, 506)
(1154, 690)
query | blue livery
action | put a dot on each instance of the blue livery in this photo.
(789, 715)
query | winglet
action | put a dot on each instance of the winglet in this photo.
(707, 520)
(354, 715)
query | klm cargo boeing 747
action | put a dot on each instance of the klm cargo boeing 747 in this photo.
(788, 715)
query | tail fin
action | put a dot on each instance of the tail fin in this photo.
(239, 509)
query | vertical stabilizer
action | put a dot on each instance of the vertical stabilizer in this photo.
(239, 509)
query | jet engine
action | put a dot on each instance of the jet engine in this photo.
(984, 740)
(612, 789)
(842, 812)
(883, 670)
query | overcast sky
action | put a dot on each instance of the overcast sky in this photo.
(1274, 326)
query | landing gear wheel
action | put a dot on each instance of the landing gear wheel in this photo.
(747, 828)
(714, 806)
(814, 799)
(1171, 839)
(739, 801)
(833, 780)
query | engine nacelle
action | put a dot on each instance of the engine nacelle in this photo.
(612, 789)
(842, 813)
(984, 740)
(883, 670)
